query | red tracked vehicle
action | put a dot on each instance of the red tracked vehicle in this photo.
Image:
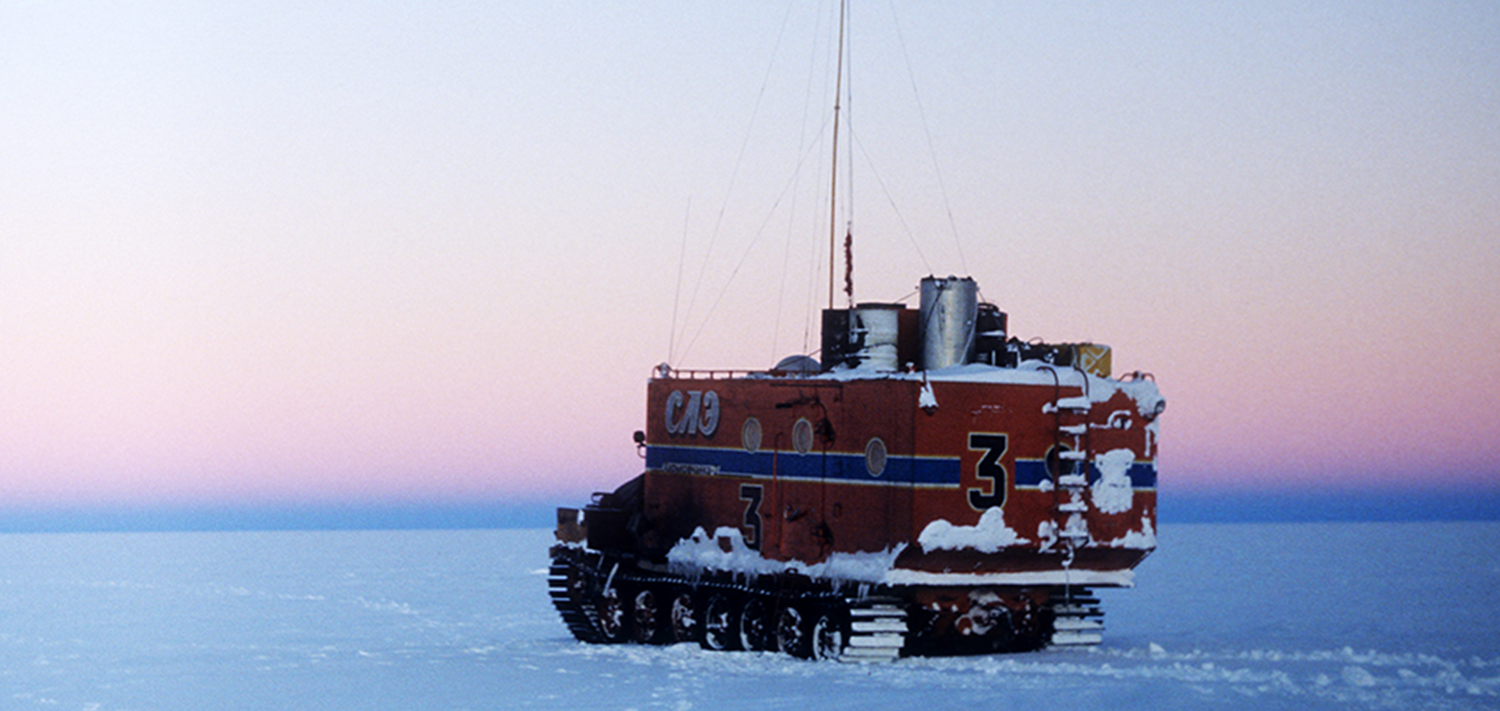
(932, 487)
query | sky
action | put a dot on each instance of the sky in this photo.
(285, 254)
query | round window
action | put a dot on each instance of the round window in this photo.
(802, 436)
(750, 434)
(875, 457)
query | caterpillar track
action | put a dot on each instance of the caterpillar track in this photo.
(608, 601)
(605, 599)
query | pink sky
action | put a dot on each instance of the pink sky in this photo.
(252, 255)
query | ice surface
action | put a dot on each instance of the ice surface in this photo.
(1255, 616)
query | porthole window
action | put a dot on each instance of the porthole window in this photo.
(875, 457)
(750, 435)
(802, 436)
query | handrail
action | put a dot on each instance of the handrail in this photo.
(725, 374)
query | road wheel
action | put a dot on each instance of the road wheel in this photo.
(612, 615)
(793, 634)
(649, 617)
(684, 620)
(755, 624)
(721, 623)
(827, 637)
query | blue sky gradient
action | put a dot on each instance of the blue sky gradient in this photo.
(375, 262)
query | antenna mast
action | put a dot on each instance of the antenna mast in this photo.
(833, 209)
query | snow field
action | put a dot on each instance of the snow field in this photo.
(1325, 616)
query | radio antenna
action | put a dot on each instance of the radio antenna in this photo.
(833, 210)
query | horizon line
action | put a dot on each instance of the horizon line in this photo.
(1181, 508)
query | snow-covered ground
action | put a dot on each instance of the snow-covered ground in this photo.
(1262, 616)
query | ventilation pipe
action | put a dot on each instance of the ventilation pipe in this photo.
(949, 309)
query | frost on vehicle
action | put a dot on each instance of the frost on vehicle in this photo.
(932, 486)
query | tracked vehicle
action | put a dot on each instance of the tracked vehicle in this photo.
(931, 487)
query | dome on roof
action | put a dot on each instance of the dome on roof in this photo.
(798, 364)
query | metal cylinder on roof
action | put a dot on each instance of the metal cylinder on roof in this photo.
(949, 309)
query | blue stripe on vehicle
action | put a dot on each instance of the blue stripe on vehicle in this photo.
(1030, 473)
(832, 467)
(850, 467)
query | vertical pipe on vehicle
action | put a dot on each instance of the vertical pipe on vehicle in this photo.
(949, 310)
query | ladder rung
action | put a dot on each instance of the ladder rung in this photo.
(892, 641)
(894, 626)
(1076, 611)
(1073, 403)
(1084, 598)
(1068, 624)
(1068, 639)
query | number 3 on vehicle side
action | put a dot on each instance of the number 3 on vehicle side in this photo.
(751, 495)
(989, 467)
